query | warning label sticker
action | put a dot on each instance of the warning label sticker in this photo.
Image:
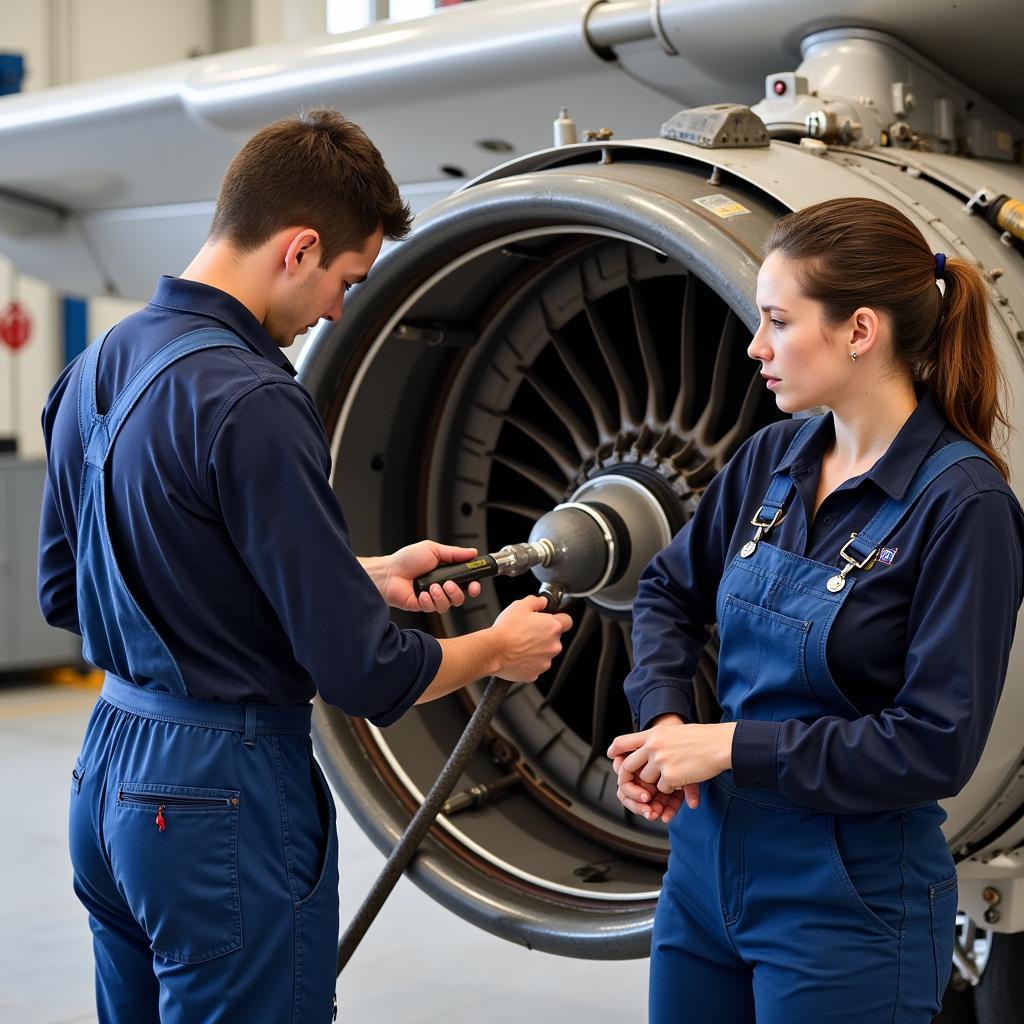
(721, 206)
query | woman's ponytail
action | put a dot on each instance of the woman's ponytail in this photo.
(965, 374)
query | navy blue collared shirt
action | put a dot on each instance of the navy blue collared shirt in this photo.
(920, 645)
(223, 521)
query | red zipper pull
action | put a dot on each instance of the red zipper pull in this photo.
(160, 823)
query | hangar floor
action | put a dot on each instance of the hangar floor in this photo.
(417, 963)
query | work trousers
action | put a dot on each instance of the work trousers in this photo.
(204, 847)
(785, 915)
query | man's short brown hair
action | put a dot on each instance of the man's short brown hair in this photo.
(318, 170)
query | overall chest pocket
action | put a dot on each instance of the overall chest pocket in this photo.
(761, 668)
(174, 854)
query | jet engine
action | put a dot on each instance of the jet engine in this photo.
(572, 325)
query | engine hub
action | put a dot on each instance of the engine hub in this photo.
(646, 530)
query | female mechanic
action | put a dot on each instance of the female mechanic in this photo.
(864, 570)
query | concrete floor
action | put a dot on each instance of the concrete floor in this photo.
(418, 964)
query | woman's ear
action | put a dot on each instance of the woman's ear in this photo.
(863, 331)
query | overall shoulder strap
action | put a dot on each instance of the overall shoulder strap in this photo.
(892, 512)
(87, 414)
(102, 440)
(782, 485)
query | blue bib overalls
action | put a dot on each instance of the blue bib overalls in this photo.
(771, 910)
(202, 834)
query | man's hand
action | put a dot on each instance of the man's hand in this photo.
(671, 756)
(394, 576)
(527, 639)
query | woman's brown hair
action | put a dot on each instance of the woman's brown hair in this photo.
(861, 252)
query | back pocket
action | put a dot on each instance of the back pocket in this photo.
(174, 855)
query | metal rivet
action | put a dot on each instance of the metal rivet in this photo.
(748, 549)
(991, 895)
(992, 915)
(835, 584)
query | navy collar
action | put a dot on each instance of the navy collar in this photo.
(901, 460)
(194, 297)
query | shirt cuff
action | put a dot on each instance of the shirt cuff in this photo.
(662, 699)
(428, 670)
(755, 748)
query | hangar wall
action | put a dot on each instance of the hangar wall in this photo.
(66, 41)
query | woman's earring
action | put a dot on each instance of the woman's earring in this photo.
(853, 355)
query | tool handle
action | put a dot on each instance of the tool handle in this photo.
(462, 573)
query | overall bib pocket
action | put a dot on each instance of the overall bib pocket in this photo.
(942, 899)
(766, 668)
(174, 855)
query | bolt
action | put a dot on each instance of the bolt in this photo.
(992, 916)
(503, 752)
(816, 123)
(991, 895)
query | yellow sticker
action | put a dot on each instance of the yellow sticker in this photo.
(721, 206)
(478, 564)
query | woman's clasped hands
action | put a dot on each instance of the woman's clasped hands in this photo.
(662, 766)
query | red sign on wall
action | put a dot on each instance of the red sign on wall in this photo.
(15, 326)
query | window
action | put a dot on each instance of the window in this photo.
(400, 10)
(348, 15)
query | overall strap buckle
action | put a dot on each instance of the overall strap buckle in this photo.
(780, 490)
(763, 527)
(836, 583)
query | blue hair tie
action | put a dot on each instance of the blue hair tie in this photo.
(940, 265)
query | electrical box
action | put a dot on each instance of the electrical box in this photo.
(26, 640)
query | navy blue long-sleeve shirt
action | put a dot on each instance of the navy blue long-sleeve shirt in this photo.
(224, 523)
(920, 645)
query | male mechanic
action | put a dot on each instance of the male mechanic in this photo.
(190, 534)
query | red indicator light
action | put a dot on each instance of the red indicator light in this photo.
(778, 87)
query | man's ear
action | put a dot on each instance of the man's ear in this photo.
(299, 245)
